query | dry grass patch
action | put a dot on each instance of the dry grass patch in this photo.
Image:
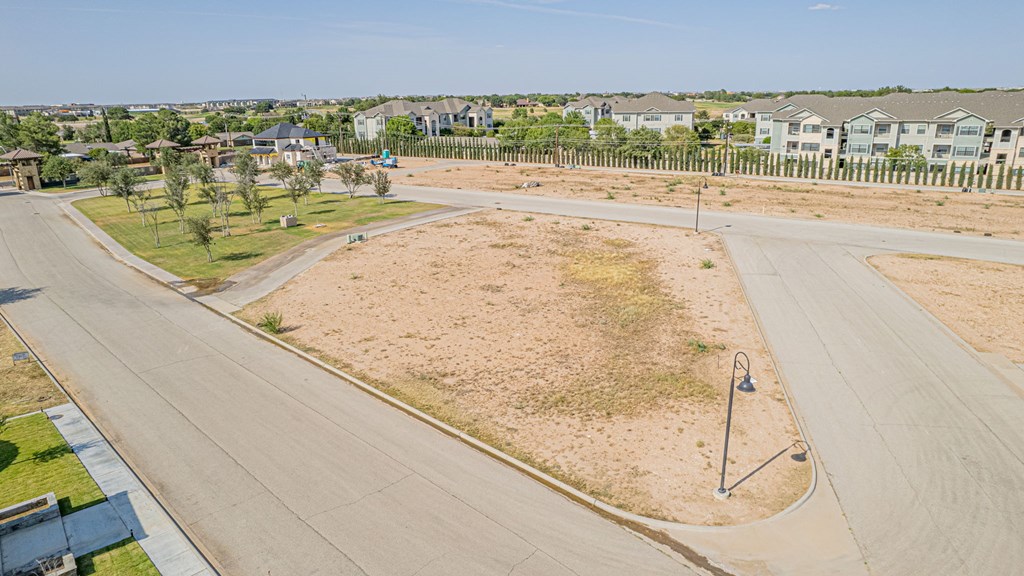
(570, 348)
(980, 301)
(24, 387)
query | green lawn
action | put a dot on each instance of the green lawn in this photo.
(124, 558)
(249, 243)
(34, 460)
(715, 109)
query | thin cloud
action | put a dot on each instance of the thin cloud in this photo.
(545, 8)
(823, 6)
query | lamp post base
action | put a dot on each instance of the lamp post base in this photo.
(722, 494)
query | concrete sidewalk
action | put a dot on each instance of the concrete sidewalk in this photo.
(257, 281)
(130, 510)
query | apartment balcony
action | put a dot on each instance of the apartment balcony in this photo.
(940, 155)
(944, 136)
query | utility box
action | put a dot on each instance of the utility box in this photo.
(360, 237)
(288, 221)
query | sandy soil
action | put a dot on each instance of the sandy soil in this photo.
(599, 352)
(998, 215)
(980, 301)
(24, 387)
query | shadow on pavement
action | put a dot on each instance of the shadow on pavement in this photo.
(12, 295)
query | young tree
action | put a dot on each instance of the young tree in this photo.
(106, 127)
(176, 193)
(297, 187)
(123, 183)
(381, 184)
(610, 134)
(202, 175)
(315, 170)
(97, 173)
(67, 133)
(245, 169)
(224, 197)
(202, 233)
(59, 168)
(680, 137)
(281, 171)
(141, 200)
(352, 176)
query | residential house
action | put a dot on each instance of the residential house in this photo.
(593, 108)
(526, 103)
(984, 127)
(655, 111)
(292, 144)
(429, 117)
(232, 139)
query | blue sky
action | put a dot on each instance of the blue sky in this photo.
(109, 51)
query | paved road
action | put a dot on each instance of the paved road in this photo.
(275, 466)
(922, 441)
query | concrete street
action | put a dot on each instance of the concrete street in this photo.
(271, 464)
(917, 439)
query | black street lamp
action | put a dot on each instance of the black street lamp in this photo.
(745, 385)
(696, 221)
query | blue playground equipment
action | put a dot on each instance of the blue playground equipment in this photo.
(387, 160)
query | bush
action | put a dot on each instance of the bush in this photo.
(271, 322)
(707, 264)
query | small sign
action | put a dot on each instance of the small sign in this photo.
(19, 356)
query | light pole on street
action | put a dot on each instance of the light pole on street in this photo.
(745, 385)
(696, 221)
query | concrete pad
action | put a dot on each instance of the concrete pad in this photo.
(24, 546)
(93, 528)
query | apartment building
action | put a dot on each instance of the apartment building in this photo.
(655, 111)
(593, 108)
(985, 127)
(430, 117)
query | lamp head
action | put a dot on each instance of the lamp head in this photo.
(745, 385)
(705, 185)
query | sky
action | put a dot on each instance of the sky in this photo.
(113, 51)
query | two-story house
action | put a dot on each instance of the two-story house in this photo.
(429, 117)
(291, 144)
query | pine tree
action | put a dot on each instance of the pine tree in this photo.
(1002, 172)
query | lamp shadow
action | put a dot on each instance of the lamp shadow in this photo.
(798, 457)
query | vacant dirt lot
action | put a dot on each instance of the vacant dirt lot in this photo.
(1001, 216)
(980, 301)
(596, 351)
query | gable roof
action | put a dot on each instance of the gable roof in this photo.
(206, 140)
(595, 101)
(21, 154)
(234, 135)
(161, 144)
(405, 107)
(653, 102)
(287, 130)
(999, 107)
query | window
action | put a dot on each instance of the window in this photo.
(360, 122)
(1021, 153)
(1005, 136)
(965, 151)
(904, 128)
(944, 130)
(625, 117)
(968, 131)
(810, 147)
(921, 128)
(764, 131)
(812, 129)
(652, 117)
(680, 118)
(1000, 159)
(766, 117)
(858, 148)
(882, 129)
(861, 129)
(880, 149)
(794, 129)
(830, 133)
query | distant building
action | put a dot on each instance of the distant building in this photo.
(429, 117)
(232, 139)
(655, 111)
(291, 144)
(982, 127)
(526, 103)
(593, 108)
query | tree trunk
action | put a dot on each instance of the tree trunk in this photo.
(209, 255)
